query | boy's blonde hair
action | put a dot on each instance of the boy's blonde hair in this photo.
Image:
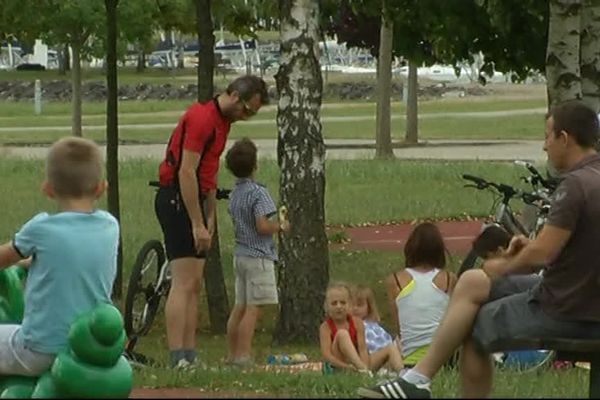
(74, 167)
(364, 293)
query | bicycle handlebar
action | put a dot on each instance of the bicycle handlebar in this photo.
(507, 191)
(537, 177)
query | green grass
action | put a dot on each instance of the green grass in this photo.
(393, 191)
(432, 124)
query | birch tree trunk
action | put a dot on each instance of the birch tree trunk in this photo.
(383, 137)
(303, 250)
(590, 53)
(562, 54)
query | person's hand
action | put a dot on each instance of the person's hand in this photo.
(25, 263)
(202, 237)
(516, 245)
(494, 268)
(284, 226)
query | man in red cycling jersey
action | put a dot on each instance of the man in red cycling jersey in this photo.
(185, 203)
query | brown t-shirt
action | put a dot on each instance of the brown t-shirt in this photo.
(570, 287)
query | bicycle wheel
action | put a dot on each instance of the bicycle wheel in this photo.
(470, 261)
(143, 299)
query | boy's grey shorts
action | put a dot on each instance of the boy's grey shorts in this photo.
(255, 281)
(514, 312)
(16, 358)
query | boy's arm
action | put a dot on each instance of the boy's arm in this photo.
(266, 226)
(9, 255)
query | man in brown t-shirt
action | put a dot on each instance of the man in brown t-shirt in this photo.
(506, 298)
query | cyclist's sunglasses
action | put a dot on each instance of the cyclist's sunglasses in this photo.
(247, 109)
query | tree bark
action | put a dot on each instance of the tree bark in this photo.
(141, 61)
(303, 251)
(590, 54)
(206, 51)
(63, 60)
(412, 105)
(76, 90)
(383, 138)
(216, 291)
(112, 132)
(562, 54)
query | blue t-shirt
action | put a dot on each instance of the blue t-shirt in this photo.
(73, 269)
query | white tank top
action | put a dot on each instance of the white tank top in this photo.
(421, 306)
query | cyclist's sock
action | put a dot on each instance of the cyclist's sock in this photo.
(176, 356)
(190, 355)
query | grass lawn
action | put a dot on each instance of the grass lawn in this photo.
(152, 121)
(393, 191)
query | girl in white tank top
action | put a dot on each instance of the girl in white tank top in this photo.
(419, 294)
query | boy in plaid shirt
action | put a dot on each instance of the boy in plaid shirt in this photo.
(251, 209)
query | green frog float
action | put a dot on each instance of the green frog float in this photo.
(93, 365)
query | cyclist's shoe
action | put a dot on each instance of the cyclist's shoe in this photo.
(396, 389)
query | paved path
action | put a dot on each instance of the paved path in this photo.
(346, 149)
(458, 236)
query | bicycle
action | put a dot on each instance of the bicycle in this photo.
(538, 200)
(150, 282)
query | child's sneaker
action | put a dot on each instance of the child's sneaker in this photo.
(243, 362)
(396, 389)
(183, 364)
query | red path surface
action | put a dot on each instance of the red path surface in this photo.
(458, 236)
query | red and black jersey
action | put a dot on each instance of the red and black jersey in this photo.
(202, 129)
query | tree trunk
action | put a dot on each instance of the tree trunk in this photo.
(412, 105)
(141, 61)
(216, 291)
(590, 54)
(206, 52)
(383, 141)
(303, 251)
(112, 132)
(76, 90)
(562, 54)
(63, 60)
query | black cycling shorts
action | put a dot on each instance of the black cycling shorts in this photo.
(176, 224)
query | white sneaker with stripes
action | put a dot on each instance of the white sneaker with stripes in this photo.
(396, 389)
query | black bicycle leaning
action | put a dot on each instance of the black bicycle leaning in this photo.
(537, 200)
(149, 283)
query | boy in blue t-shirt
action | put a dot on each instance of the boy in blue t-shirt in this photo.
(73, 259)
(251, 209)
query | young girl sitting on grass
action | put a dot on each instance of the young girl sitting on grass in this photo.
(418, 294)
(380, 345)
(341, 335)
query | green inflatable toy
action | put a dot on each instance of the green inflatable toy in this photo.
(92, 367)
(12, 299)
